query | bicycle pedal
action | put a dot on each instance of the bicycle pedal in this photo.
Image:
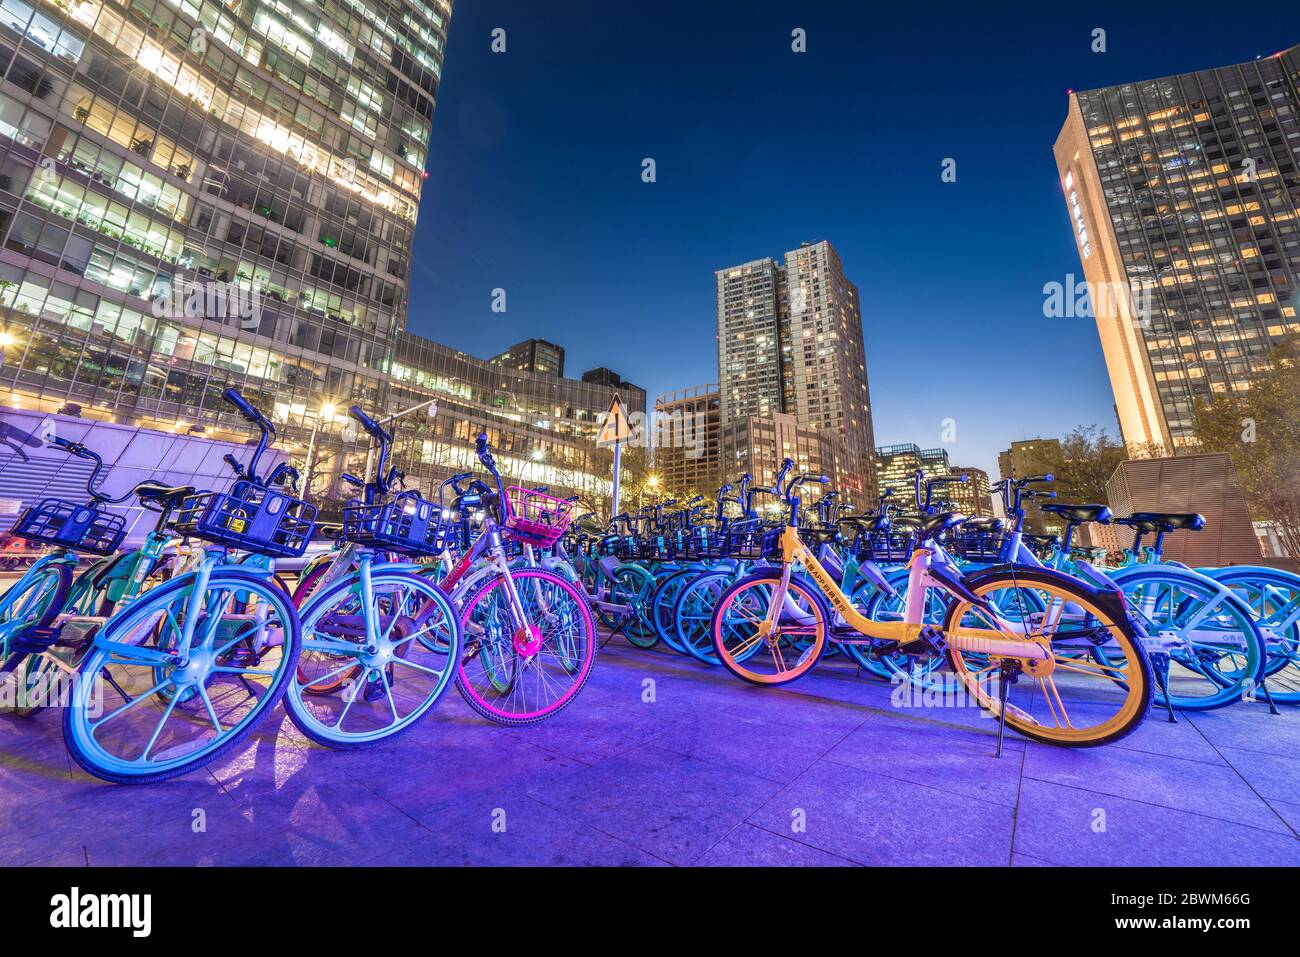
(930, 641)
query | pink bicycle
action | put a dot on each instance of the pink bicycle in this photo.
(530, 635)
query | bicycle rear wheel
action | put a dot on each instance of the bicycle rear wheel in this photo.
(1078, 696)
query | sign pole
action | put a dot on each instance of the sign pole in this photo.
(618, 463)
(613, 431)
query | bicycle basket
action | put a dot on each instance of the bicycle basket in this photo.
(535, 518)
(977, 545)
(706, 543)
(884, 548)
(82, 528)
(408, 523)
(753, 543)
(655, 548)
(249, 517)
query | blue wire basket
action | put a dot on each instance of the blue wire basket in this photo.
(409, 524)
(82, 528)
(250, 517)
(883, 548)
(981, 545)
(752, 543)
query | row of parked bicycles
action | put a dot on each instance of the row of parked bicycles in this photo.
(1034, 628)
(167, 655)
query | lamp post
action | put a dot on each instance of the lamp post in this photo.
(326, 412)
(430, 404)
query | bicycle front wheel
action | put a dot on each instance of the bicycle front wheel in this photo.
(522, 672)
(162, 692)
(764, 646)
(394, 654)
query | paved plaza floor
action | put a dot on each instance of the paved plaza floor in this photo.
(665, 761)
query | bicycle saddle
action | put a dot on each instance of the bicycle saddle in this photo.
(164, 495)
(1163, 521)
(329, 530)
(1046, 541)
(932, 526)
(1079, 513)
(985, 523)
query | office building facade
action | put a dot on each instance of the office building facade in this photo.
(533, 355)
(687, 453)
(271, 151)
(897, 465)
(1029, 457)
(974, 497)
(757, 444)
(1182, 193)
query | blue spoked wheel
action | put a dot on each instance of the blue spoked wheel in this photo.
(393, 677)
(1205, 647)
(141, 710)
(1273, 597)
(879, 606)
(662, 603)
(632, 585)
(693, 615)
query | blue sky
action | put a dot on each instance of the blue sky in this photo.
(535, 185)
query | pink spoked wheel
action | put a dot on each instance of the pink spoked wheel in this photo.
(522, 672)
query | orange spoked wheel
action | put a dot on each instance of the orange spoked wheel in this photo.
(768, 650)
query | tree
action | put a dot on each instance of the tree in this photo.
(1089, 456)
(1260, 429)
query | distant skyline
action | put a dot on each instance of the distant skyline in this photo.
(535, 188)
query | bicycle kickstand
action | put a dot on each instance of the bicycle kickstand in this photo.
(1160, 665)
(1272, 705)
(1007, 677)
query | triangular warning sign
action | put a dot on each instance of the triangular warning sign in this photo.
(616, 427)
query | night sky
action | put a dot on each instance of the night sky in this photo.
(535, 185)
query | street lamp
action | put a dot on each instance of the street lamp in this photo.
(653, 481)
(327, 411)
(7, 339)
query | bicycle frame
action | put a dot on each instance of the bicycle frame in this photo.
(929, 567)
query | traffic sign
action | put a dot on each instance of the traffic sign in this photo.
(616, 427)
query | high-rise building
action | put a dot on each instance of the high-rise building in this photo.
(686, 449)
(749, 339)
(533, 355)
(1033, 457)
(757, 444)
(271, 151)
(897, 465)
(973, 497)
(1183, 195)
(790, 341)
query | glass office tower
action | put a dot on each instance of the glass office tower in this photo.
(270, 148)
(1183, 194)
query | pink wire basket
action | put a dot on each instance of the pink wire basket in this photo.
(535, 518)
